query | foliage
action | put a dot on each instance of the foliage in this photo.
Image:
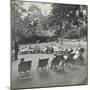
(66, 17)
(26, 24)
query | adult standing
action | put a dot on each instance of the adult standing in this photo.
(16, 49)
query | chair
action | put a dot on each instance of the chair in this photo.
(24, 68)
(43, 63)
(55, 62)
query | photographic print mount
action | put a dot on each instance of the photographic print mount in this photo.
(48, 44)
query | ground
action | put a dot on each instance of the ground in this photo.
(77, 75)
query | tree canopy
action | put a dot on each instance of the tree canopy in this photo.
(64, 20)
(67, 17)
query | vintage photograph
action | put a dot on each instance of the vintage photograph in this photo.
(49, 44)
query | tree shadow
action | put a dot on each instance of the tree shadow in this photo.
(73, 68)
(43, 74)
(59, 71)
(25, 78)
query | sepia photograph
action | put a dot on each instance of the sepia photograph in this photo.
(49, 44)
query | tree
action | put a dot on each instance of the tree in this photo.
(16, 22)
(82, 19)
(21, 27)
(65, 17)
(32, 20)
(17, 27)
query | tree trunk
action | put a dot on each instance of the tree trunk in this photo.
(61, 41)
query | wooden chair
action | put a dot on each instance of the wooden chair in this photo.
(24, 68)
(55, 62)
(43, 63)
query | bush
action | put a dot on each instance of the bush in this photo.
(33, 39)
(73, 34)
